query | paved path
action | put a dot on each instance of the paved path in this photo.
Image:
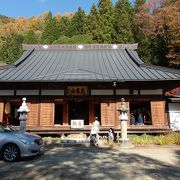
(97, 163)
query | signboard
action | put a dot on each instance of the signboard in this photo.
(77, 123)
(77, 91)
(175, 121)
(174, 114)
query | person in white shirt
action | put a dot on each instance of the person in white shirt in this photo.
(94, 136)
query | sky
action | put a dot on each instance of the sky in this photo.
(29, 8)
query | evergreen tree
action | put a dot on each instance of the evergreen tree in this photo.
(123, 22)
(30, 37)
(77, 39)
(106, 19)
(158, 50)
(62, 40)
(144, 43)
(82, 39)
(50, 31)
(64, 25)
(93, 25)
(77, 25)
(11, 48)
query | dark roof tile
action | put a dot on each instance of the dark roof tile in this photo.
(93, 63)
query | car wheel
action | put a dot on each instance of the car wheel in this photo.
(10, 152)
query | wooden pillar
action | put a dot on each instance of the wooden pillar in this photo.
(158, 113)
(39, 115)
(117, 121)
(91, 112)
(1, 110)
(65, 114)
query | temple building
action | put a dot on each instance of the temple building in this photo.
(67, 86)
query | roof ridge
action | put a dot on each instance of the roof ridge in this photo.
(133, 58)
(19, 61)
(23, 57)
(79, 46)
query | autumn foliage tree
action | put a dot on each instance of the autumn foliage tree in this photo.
(159, 21)
(173, 23)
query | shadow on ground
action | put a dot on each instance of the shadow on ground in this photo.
(90, 163)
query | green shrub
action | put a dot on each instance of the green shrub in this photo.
(176, 138)
(167, 139)
(143, 139)
(161, 140)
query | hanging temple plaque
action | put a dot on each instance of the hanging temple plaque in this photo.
(77, 91)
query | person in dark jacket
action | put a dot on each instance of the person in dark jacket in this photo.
(132, 119)
(111, 135)
(140, 119)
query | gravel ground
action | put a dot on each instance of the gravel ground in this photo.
(57, 162)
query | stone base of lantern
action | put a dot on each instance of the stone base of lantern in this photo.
(22, 127)
(125, 143)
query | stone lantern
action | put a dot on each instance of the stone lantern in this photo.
(23, 110)
(123, 117)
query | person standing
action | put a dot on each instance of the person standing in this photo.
(140, 119)
(111, 135)
(94, 136)
(132, 119)
(96, 122)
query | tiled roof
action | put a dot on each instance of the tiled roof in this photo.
(67, 63)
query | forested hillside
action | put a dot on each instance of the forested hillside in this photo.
(154, 25)
(5, 19)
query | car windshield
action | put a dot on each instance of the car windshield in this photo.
(7, 128)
